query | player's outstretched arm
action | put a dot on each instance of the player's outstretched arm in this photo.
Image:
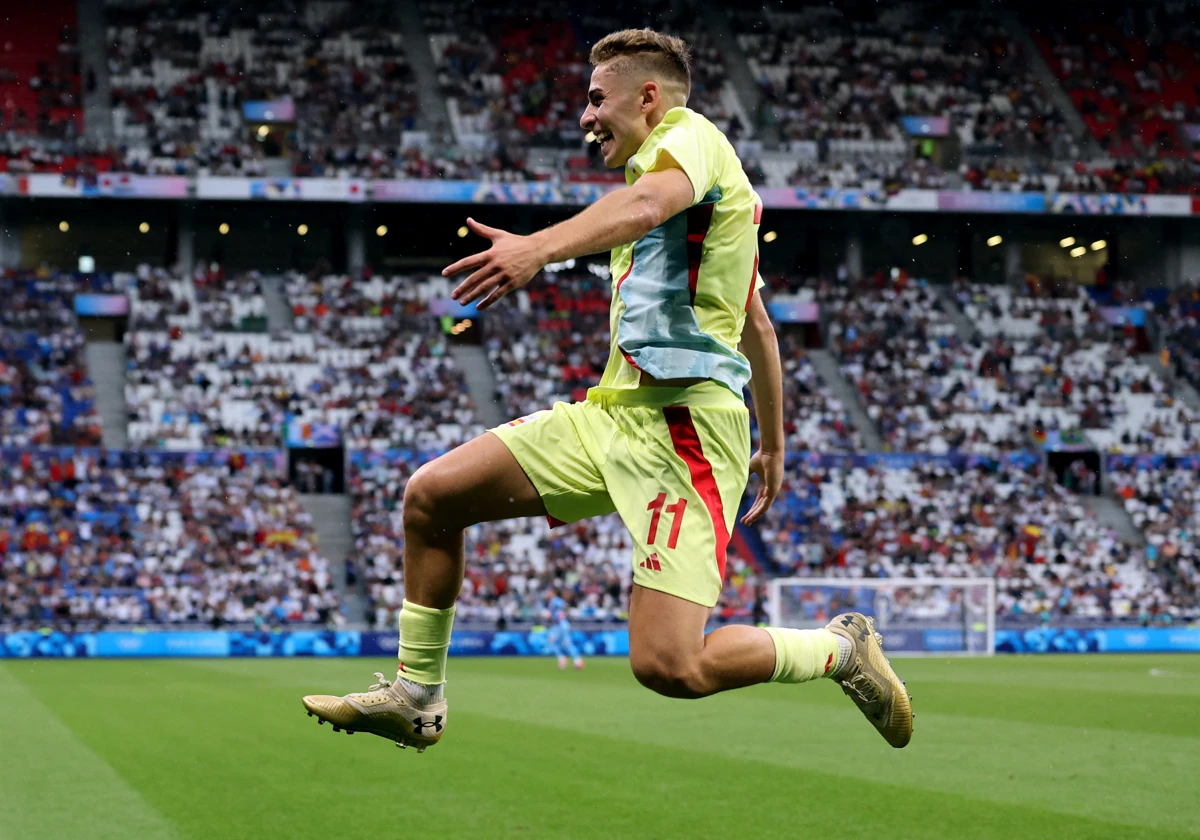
(621, 217)
(761, 347)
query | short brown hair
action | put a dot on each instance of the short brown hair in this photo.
(647, 50)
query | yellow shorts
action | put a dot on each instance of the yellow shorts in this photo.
(672, 462)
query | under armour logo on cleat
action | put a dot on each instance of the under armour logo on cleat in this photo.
(419, 724)
(651, 563)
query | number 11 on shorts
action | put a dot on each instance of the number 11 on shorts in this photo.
(676, 510)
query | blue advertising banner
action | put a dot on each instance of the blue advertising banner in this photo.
(1020, 459)
(1068, 640)
(614, 642)
(213, 643)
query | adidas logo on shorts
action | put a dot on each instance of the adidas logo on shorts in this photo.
(651, 563)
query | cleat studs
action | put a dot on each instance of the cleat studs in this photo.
(335, 729)
(401, 745)
(420, 750)
(321, 721)
(310, 714)
(349, 731)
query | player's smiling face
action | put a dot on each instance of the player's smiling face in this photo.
(616, 114)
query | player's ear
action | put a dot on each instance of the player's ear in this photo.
(651, 96)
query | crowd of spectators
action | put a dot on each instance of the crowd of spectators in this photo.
(46, 394)
(1164, 502)
(1081, 372)
(1178, 314)
(1050, 556)
(814, 419)
(208, 300)
(88, 539)
(834, 74)
(1133, 79)
(181, 72)
(549, 342)
(926, 388)
(365, 355)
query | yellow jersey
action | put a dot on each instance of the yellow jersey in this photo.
(681, 292)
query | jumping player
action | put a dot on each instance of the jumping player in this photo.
(558, 634)
(663, 440)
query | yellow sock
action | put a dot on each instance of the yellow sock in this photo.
(803, 655)
(424, 642)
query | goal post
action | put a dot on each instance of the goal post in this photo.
(931, 616)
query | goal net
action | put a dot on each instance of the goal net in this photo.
(943, 616)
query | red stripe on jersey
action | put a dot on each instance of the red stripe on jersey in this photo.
(618, 291)
(621, 279)
(699, 219)
(753, 281)
(758, 214)
(554, 523)
(687, 446)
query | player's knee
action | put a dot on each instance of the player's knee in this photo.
(425, 501)
(669, 675)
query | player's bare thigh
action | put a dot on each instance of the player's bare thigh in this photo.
(479, 481)
(670, 653)
(666, 637)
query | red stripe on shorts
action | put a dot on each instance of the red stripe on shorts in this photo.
(687, 446)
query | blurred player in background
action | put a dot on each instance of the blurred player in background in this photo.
(558, 633)
(663, 440)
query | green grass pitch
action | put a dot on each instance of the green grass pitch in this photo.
(1011, 747)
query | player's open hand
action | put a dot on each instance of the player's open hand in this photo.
(768, 466)
(510, 263)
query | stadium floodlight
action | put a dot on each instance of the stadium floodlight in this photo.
(462, 232)
(942, 616)
(1099, 245)
(770, 236)
(302, 230)
(144, 227)
(993, 241)
(920, 239)
(63, 226)
(381, 230)
(1078, 252)
(1067, 242)
(222, 228)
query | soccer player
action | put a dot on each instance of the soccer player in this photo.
(663, 440)
(558, 634)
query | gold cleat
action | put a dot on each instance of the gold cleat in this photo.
(386, 710)
(868, 679)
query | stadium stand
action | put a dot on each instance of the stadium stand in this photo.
(155, 536)
(181, 72)
(1071, 372)
(40, 78)
(1133, 80)
(93, 539)
(46, 395)
(359, 358)
(1179, 315)
(550, 343)
(1050, 557)
(843, 80)
(924, 386)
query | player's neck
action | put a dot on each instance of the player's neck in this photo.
(654, 118)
